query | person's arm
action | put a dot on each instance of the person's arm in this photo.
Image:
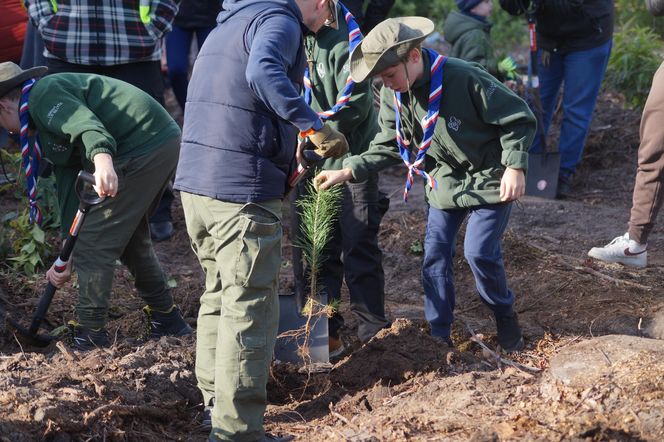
(40, 11)
(383, 150)
(158, 15)
(273, 50)
(500, 107)
(69, 118)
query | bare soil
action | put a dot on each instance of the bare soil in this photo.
(403, 384)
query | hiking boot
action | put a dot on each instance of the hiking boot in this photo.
(509, 333)
(268, 438)
(336, 346)
(564, 189)
(168, 323)
(206, 420)
(622, 250)
(86, 339)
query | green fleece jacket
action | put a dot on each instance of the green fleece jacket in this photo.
(471, 41)
(78, 116)
(482, 128)
(328, 50)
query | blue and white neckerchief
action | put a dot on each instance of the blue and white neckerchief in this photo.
(31, 156)
(428, 123)
(354, 39)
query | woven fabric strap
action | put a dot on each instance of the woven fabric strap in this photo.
(354, 39)
(31, 155)
(428, 124)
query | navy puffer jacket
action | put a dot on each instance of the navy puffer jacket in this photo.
(244, 107)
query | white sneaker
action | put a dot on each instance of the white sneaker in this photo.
(623, 250)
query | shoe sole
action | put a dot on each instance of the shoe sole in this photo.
(632, 262)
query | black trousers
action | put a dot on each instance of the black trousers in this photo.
(353, 256)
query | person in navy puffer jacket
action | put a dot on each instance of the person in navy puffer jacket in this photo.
(241, 123)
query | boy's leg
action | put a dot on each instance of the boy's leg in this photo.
(648, 195)
(362, 258)
(584, 72)
(245, 243)
(438, 268)
(486, 225)
(109, 227)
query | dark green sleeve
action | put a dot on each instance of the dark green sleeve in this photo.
(383, 150)
(65, 115)
(357, 109)
(497, 105)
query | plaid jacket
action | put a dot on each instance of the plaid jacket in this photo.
(102, 32)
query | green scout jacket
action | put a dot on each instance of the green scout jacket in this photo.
(482, 128)
(78, 116)
(328, 51)
(471, 41)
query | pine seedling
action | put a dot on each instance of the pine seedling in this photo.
(318, 212)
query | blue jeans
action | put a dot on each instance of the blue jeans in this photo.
(484, 231)
(582, 73)
(178, 44)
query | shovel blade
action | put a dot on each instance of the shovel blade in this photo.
(25, 337)
(288, 348)
(542, 177)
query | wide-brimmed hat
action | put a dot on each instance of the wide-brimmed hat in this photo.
(387, 44)
(11, 75)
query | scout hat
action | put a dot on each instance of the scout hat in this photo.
(12, 76)
(387, 44)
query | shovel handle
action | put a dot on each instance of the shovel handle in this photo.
(86, 199)
(42, 308)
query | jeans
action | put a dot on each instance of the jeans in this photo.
(582, 73)
(178, 44)
(484, 231)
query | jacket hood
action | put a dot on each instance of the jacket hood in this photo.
(457, 24)
(232, 7)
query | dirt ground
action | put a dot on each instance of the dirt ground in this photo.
(403, 384)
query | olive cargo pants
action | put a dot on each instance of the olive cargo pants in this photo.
(239, 248)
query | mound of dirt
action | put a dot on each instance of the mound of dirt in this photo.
(393, 356)
(121, 393)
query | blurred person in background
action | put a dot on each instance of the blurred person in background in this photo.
(196, 18)
(122, 40)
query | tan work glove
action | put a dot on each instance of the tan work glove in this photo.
(329, 142)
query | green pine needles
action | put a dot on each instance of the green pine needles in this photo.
(318, 212)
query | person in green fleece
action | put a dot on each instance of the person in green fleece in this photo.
(352, 254)
(470, 147)
(131, 144)
(469, 33)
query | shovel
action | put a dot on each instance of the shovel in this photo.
(87, 199)
(292, 304)
(543, 167)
